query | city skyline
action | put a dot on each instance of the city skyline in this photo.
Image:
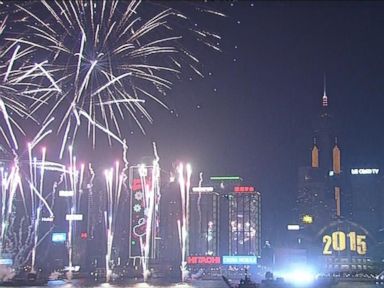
(256, 113)
(234, 88)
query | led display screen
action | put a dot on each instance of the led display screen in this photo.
(59, 237)
(239, 260)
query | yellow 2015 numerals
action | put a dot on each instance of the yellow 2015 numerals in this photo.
(337, 241)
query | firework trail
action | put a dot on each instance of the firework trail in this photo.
(76, 179)
(108, 58)
(151, 196)
(185, 184)
(20, 235)
(22, 82)
(114, 180)
(199, 200)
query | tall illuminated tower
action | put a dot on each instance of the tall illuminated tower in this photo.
(319, 185)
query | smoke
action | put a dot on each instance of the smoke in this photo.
(6, 273)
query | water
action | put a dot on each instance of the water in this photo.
(195, 284)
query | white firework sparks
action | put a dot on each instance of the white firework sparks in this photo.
(21, 83)
(108, 59)
(183, 225)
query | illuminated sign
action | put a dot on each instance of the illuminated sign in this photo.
(293, 227)
(307, 219)
(239, 260)
(365, 171)
(339, 241)
(140, 179)
(66, 193)
(59, 237)
(241, 189)
(222, 178)
(84, 235)
(72, 268)
(6, 261)
(202, 189)
(74, 217)
(203, 260)
(47, 219)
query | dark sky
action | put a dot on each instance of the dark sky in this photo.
(253, 116)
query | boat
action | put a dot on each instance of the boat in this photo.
(270, 281)
(244, 283)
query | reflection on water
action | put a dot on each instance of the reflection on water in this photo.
(195, 284)
(356, 285)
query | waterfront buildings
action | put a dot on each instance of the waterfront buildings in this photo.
(338, 208)
(225, 227)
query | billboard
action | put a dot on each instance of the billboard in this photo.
(141, 191)
(203, 260)
(239, 260)
(59, 237)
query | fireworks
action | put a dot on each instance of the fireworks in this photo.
(21, 83)
(66, 66)
(107, 58)
(183, 225)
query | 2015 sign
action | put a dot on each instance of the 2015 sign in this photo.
(339, 241)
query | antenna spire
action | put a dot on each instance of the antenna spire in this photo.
(325, 97)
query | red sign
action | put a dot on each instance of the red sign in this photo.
(84, 235)
(203, 260)
(136, 184)
(241, 189)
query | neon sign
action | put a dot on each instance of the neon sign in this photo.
(6, 261)
(223, 178)
(241, 189)
(84, 235)
(47, 219)
(339, 241)
(365, 171)
(293, 227)
(59, 237)
(74, 217)
(202, 189)
(66, 193)
(239, 260)
(203, 260)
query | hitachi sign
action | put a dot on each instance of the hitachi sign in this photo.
(203, 260)
(365, 171)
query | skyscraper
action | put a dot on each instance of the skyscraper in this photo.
(336, 209)
(244, 221)
(319, 185)
(204, 216)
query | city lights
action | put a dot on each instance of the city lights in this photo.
(87, 195)
(74, 217)
(66, 193)
(59, 237)
(293, 227)
(365, 171)
(225, 178)
(307, 219)
(202, 189)
(239, 260)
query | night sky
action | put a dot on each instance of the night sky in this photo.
(252, 115)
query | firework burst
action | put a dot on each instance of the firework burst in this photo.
(20, 83)
(108, 58)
